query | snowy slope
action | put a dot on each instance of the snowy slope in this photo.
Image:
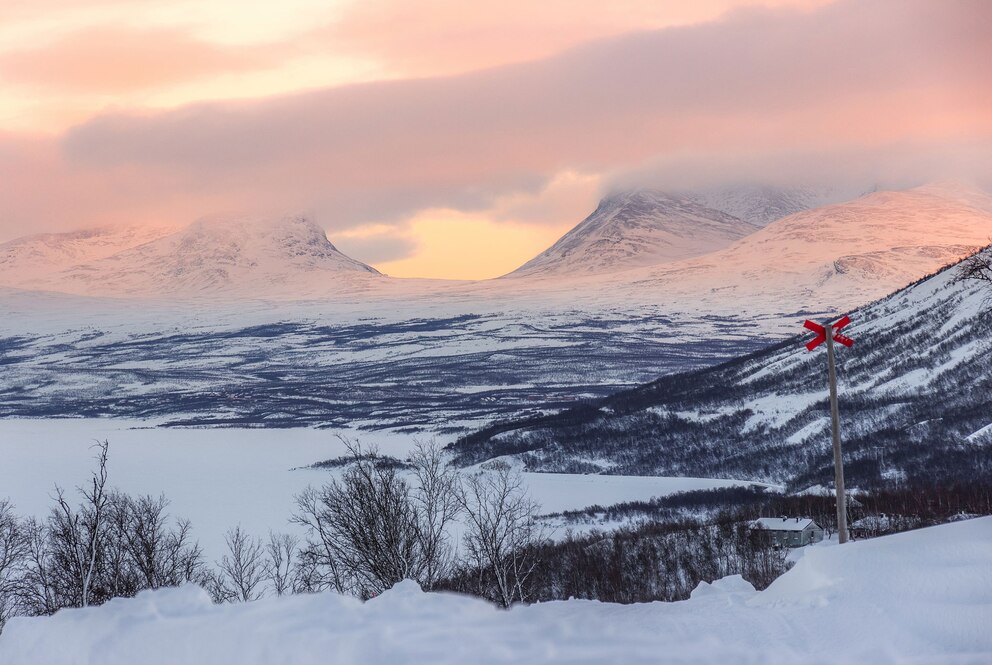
(27, 261)
(915, 387)
(833, 257)
(637, 228)
(916, 597)
(763, 204)
(237, 255)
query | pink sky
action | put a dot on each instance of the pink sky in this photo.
(417, 132)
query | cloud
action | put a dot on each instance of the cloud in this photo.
(568, 196)
(11, 10)
(376, 248)
(856, 78)
(431, 37)
(120, 59)
(849, 168)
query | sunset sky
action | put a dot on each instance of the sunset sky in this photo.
(443, 138)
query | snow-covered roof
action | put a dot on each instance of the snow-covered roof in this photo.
(881, 521)
(783, 523)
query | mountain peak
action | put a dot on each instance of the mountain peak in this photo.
(637, 228)
(295, 236)
(235, 254)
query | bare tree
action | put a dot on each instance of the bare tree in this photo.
(501, 532)
(162, 555)
(281, 568)
(978, 266)
(437, 505)
(79, 534)
(367, 524)
(39, 590)
(13, 556)
(319, 569)
(109, 545)
(117, 575)
(241, 570)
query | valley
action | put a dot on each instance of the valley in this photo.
(263, 323)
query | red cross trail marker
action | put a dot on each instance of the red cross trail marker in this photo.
(821, 335)
(834, 336)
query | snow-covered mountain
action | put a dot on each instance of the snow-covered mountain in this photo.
(237, 255)
(644, 227)
(915, 395)
(833, 257)
(763, 204)
(638, 247)
(637, 228)
(30, 259)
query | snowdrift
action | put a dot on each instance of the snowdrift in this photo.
(918, 597)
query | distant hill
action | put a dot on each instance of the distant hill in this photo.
(264, 323)
(31, 260)
(238, 255)
(915, 396)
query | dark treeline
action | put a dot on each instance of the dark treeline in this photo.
(647, 562)
(928, 504)
(664, 555)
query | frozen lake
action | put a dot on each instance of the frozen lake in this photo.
(219, 478)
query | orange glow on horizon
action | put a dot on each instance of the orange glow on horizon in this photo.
(462, 139)
(453, 245)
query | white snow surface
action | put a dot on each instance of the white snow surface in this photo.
(224, 477)
(916, 597)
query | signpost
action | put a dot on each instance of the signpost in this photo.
(830, 334)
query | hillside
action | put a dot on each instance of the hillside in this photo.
(28, 261)
(915, 392)
(870, 601)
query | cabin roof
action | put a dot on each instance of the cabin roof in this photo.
(783, 523)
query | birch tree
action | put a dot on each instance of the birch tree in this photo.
(501, 532)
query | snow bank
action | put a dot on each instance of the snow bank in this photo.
(920, 597)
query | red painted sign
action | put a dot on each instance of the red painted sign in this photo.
(841, 339)
(821, 333)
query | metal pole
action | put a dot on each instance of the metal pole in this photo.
(835, 427)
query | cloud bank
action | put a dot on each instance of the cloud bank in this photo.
(881, 82)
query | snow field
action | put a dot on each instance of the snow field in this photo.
(221, 478)
(917, 597)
